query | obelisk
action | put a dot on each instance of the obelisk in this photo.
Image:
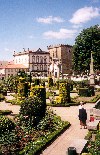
(92, 78)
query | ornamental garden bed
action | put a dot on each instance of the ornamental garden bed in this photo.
(27, 133)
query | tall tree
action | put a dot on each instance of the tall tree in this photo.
(88, 40)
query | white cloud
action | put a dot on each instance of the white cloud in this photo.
(85, 14)
(50, 20)
(62, 34)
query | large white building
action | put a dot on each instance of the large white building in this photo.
(37, 62)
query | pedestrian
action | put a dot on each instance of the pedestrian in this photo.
(81, 105)
(83, 118)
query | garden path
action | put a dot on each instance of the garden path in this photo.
(62, 143)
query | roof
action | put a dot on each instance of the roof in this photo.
(39, 51)
(15, 66)
(59, 45)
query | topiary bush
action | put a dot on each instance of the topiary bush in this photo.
(6, 124)
(23, 88)
(50, 81)
(1, 97)
(64, 92)
(84, 92)
(32, 111)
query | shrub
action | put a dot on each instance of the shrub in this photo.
(40, 92)
(94, 146)
(1, 97)
(6, 124)
(84, 92)
(23, 88)
(91, 91)
(32, 111)
(64, 92)
(5, 112)
(50, 81)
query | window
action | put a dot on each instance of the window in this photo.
(37, 68)
(37, 59)
(32, 67)
(33, 58)
(45, 59)
(41, 67)
(41, 59)
(45, 67)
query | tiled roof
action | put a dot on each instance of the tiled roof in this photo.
(15, 66)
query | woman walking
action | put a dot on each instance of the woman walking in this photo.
(83, 118)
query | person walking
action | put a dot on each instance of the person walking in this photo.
(81, 105)
(83, 118)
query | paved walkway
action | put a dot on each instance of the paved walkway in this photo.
(61, 144)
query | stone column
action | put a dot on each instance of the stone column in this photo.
(92, 79)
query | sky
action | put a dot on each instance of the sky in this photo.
(37, 24)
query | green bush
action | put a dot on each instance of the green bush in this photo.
(1, 97)
(64, 92)
(84, 92)
(94, 146)
(36, 81)
(40, 92)
(32, 111)
(50, 82)
(23, 88)
(91, 91)
(6, 124)
(5, 112)
(95, 99)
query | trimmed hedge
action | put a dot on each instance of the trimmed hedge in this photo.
(6, 124)
(5, 112)
(50, 82)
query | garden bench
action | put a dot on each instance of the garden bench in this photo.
(79, 144)
(93, 125)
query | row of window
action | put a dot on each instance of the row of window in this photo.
(41, 67)
(21, 60)
(40, 59)
(15, 70)
(37, 59)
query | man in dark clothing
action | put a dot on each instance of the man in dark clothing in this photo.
(83, 117)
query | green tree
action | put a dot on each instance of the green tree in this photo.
(88, 40)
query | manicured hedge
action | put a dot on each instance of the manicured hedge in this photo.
(6, 124)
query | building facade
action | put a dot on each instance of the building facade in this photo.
(37, 62)
(13, 69)
(61, 55)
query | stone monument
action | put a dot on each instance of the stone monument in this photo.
(92, 76)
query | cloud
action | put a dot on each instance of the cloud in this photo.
(50, 20)
(62, 34)
(84, 14)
